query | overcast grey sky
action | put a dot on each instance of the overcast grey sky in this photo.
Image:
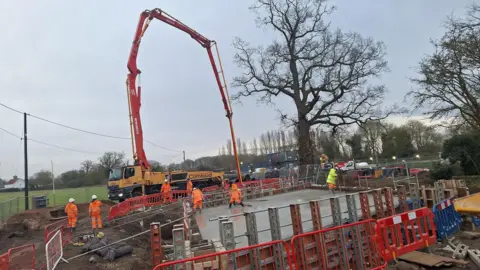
(66, 61)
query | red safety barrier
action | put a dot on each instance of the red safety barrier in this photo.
(51, 228)
(4, 262)
(118, 210)
(132, 204)
(22, 257)
(271, 255)
(403, 233)
(126, 207)
(350, 246)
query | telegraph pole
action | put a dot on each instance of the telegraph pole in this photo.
(25, 161)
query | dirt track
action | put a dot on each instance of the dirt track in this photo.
(140, 258)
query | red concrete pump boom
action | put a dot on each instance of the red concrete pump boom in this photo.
(134, 91)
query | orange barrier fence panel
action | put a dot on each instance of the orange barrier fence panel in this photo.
(50, 229)
(271, 255)
(350, 246)
(4, 262)
(21, 258)
(119, 210)
(403, 233)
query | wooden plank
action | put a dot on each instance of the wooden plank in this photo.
(429, 260)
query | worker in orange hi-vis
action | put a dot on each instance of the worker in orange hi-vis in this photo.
(166, 192)
(189, 187)
(235, 197)
(234, 186)
(94, 211)
(72, 214)
(197, 198)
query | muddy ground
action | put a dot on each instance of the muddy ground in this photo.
(141, 257)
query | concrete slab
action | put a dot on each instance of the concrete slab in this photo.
(209, 229)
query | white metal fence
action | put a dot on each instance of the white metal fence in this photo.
(54, 250)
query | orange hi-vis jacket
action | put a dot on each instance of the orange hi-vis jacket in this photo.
(71, 210)
(94, 209)
(166, 188)
(235, 196)
(189, 187)
(197, 196)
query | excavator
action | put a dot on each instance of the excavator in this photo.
(138, 179)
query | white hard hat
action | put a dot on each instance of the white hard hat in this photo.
(194, 188)
(94, 197)
(71, 200)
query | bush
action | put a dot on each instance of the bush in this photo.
(445, 171)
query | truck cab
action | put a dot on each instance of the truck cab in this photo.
(132, 181)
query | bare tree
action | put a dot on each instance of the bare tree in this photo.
(323, 71)
(449, 79)
(87, 166)
(110, 160)
(244, 149)
(263, 144)
(229, 148)
(371, 133)
(254, 147)
(292, 140)
(239, 146)
(424, 138)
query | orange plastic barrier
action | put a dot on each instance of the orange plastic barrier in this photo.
(51, 228)
(135, 203)
(132, 204)
(271, 255)
(350, 246)
(22, 257)
(4, 262)
(403, 233)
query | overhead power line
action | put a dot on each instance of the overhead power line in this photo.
(48, 144)
(86, 131)
(10, 133)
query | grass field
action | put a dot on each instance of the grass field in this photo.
(14, 202)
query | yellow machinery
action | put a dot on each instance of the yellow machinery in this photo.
(468, 205)
(132, 181)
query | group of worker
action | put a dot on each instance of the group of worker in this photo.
(197, 196)
(94, 211)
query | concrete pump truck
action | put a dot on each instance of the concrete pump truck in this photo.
(138, 179)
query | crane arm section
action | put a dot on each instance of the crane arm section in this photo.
(135, 91)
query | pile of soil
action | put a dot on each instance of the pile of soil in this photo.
(141, 257)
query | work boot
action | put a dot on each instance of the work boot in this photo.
(241, 203)
(230, 205)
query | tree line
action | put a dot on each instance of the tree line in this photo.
(373, 140)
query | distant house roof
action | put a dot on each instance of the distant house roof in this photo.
(13, 181)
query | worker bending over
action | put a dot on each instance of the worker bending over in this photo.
(332, 179)
(189, 187)
(235, 196)
(197, 199)
(72, 214)
(94, 211)
(166, 192)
